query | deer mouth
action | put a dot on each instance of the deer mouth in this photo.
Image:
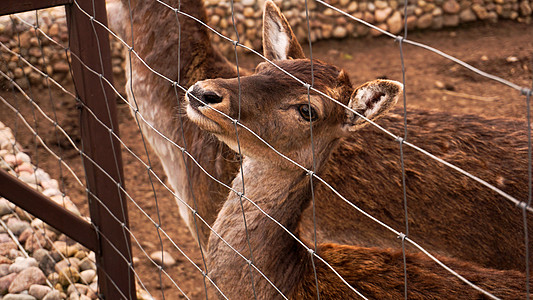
(196, 115)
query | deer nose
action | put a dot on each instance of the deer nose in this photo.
(199, 97)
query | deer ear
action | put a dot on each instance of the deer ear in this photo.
(279, 42)
(372, 100)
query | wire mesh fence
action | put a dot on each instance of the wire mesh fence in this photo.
(197, 170)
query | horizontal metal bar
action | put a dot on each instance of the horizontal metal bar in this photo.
(13, 7)
(47, 210)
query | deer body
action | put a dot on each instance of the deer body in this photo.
(448, 214)
(376, 273)
(158, 100)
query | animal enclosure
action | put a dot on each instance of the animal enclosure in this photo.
(431, 82)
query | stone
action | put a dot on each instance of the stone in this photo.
(163, 258)
(352, 7)
(18, 297)
(480, 11)
(65, 249)
(395, 23)
(5, 282)
(380, 15)
(339, 32)
(67, 262)
(248, 2)
(77, 288)
(11, 160)
(17, 226)
(5, 207)
(54, 279)
(450, 20)
(368, 17)
(26, 167)
(248, 12)
(381, 26)
(87, 276)
(451, 7)
(4, 269)
(50, 184)
(23, 157)
(61, 67)
(4, 238)
(87, 264)
(437, 22)
(380, 4)
(467, 15)
(26, 278)
(53, 295)
(424, 21)
(22, 263)
(525, 8)
(39, 291)
(38, 240)
(68, 276)
(25, 235)
(411, 22)
(6, 247)
(437, 12)
(27, 177)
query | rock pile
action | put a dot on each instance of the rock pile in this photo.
(18, 34)
(388, 15)
(37, 261)
(44, 48)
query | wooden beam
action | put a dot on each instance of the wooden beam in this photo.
(13, 7)
(47, 210)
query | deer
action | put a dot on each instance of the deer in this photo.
(282, 190)
(448, 213)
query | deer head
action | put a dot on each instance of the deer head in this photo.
(282, 110)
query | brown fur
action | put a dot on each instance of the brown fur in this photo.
(449, 214)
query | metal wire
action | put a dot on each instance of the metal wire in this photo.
(414, 147)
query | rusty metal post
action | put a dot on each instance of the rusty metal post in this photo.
(115, 274)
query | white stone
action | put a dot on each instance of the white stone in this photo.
(163, 258)
(22, 263)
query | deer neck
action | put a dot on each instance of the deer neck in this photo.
(278, 255)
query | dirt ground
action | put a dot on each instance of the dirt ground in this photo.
(432, 82)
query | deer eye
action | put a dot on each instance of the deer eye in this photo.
(308, 115)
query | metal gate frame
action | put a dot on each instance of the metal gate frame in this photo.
(89, 42)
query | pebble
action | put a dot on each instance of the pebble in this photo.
(53, 295)
(77, 288)
(71, 262)
(68, 276)
(22, 263)
(6, 247)
(164, 258)
(65, 249)
(39, 291)
(18, 297)
(87, 264)
(451, 7)
(17, 226)
(395, 23)
(381, 15)
(339, 32)
(5, 282)
(87, 276)
(26, 278)
(4, 269)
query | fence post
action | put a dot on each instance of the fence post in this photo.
(115, 273)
